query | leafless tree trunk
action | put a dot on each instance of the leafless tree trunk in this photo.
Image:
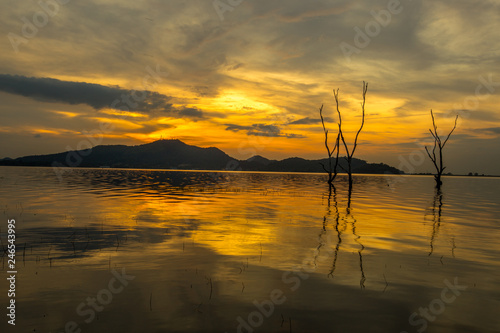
(350, 154)
(332, 171)
(439, 144)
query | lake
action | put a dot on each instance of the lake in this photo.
(114, 250)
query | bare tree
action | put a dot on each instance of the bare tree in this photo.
(332, 170)
(350, 154)
(439, 144)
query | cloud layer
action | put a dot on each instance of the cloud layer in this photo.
(95, 95)
(263, 130)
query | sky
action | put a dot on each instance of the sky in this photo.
(249, 77)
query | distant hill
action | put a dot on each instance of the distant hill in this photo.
(175, 154)
(162, 154)
(296, 164)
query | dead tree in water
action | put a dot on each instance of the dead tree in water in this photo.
(332, 171)
(439, 145)
(350, 154)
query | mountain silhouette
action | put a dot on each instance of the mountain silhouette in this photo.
(175, 154)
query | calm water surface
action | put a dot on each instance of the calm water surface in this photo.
(250, 252)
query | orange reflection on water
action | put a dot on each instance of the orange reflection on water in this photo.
(205, 246)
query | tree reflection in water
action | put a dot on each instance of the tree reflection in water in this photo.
(341, 222)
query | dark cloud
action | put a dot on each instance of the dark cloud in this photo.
(306, 11)
(204, 91)
(191, 113)
(149, 128)
(309, 121)
(483, 115)
(263, 130)
(95, 95)
(495, 130)
(294, 136)
(52, 90)
(236, 128)
(235, 67)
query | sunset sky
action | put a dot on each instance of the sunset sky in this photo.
(249, 77)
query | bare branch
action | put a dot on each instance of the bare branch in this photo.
(439, 145)
(324, 168)
(434, 150)
(337, 146)
(455, 126)
(336, 94)
(322, 120)
(433, 159)
(432, 133)
(341, 137)
(365, 89)
(332, 173)
(433, 122)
